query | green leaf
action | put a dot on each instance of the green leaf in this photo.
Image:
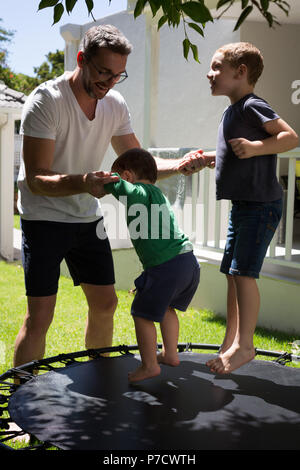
(269, 18)
(155, 6)
(171, 9)
(139, 7)
(70, 5)
(90, 5)
(58, 11)
(197, 11)
(223, 2)
(197, 28)
(195, 52)
(264, 4)
(244, 3)
(285, 8)
(242, 17)
(47, 3)
(186, 47)
(162, 20)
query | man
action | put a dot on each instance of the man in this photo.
(68, 124)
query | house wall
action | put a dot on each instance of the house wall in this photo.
(6, 185)
(281, 68)
(279, 47)
(187, 114)
(188, 117)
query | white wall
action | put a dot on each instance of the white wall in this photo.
(279, 47)
(188, 116)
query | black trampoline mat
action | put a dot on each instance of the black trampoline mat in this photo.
(91, 406)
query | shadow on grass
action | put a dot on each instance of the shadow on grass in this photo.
(263, 333)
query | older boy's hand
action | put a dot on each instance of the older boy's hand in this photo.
(210, 161)
(243, 148)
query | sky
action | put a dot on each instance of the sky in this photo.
(34, 35)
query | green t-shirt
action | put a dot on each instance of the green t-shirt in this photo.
(152, 225)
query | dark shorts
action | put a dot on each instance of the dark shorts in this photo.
(170, 284)
(46, 244)
(251, 228)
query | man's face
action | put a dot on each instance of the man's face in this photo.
(100, 73)
(222, 76)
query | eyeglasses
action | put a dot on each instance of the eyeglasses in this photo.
(106, 76)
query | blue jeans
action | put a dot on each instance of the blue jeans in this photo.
(251, 228)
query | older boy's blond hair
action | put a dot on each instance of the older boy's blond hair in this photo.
(244, 53)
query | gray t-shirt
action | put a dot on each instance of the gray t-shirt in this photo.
(251, 179)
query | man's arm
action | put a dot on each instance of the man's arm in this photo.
(38, 159)
(188, 164)
(122, 143)
(283, 138)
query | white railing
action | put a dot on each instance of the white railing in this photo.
(205, 220)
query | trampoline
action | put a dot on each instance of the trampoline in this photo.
(83, 401)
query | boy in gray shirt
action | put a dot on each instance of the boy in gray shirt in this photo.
(250, 135)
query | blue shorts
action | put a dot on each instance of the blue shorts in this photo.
(170, 284)
(45, 244)
(251, 228)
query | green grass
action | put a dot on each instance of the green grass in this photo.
(17, 221)
(66, 333)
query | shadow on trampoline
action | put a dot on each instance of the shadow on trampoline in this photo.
(91, 406)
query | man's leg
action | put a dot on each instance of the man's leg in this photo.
(102, 302)
(31, 340)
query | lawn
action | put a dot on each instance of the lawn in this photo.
(66, 333)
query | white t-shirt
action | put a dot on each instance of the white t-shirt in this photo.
(52, 112)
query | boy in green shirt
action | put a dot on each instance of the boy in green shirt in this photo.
(171, 272)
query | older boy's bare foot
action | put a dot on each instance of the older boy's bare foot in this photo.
(225, 346)
(163, 358)
(231, 360)
(143, 372)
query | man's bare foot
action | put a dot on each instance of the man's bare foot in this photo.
(231, 360)
(163, 358)
(143, 372)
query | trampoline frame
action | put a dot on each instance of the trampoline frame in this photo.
(27, 371)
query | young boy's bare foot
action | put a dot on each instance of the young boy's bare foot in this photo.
(231, 360)
(143, 372)
(163, 358)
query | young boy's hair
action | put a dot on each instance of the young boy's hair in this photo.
(244, 53)
(138, 160)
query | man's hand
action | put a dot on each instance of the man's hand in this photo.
(191, 163)
(95, 182)
(195, 161)
(243, 148)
